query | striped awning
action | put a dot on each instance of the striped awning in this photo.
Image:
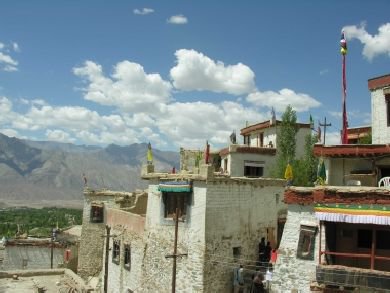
(353, 213)
(175, 186)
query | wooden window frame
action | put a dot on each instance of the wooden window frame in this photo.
(97, 214)
(127, 257)
(306, 242)
(173, 200)
(116, 251)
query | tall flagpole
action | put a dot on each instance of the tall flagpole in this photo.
(343, 50)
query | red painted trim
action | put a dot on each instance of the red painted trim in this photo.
(379, 82)
(348, 150)
(334, 194)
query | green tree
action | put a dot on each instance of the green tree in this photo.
(366, 139)
(286, 141)
(306, 167)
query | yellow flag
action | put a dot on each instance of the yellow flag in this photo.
(288, 174)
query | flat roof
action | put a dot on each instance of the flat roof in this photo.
(56, 280)
(351, 150)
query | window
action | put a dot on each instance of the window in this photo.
(364, 238)
(253, 169)
(261, 138)
(173, 200)
(127, 257)
(383, 239)
(116, 250)
(237, 253)
(305, 249)
(387, 99)
(96, 214)
(247, 140)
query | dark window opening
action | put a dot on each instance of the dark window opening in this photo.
(247, 139)
(116, 250)
(364, 238)
(127, 257)
(237, 252)
(251, 171)
(176, 200)
(96, 214)
(261, 139)
(387, 99)
(382, 239)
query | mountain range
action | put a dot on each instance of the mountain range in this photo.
(42, 173)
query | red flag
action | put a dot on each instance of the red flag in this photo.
(207, 153)
(344, 131)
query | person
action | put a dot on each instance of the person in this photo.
(262, 250)
(267, 252)
(257, 284)
(238, 279)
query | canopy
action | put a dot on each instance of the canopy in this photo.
(353, 213)
(175, 186)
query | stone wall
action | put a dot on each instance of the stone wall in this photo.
(238, 214)
(380, 130)
(159, 239)
(120, 279)
(36, 257)
(92, 236)
(292, 273)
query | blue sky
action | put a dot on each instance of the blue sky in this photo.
(177, 73)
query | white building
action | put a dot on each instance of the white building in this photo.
(255, 158)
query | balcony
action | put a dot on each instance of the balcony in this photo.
(352, 278)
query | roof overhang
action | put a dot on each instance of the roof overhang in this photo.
(351, 150)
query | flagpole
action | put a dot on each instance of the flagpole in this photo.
(344, 132)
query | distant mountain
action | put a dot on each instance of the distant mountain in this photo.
(51, 172)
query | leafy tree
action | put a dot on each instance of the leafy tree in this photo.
(286, 140)
(366, 139)
(304, 168)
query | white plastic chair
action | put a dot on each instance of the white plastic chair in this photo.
(385, 182)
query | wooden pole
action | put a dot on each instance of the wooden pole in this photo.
(175, 251)
(319, 246)
(373, 245)
(108, 228)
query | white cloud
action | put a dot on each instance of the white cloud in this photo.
(332, 138)
(195, 71)
(7, 63)
(9, 132)
(191, 124)
(280, 100)
(59, 135)
(15, 47)
(1, 46)
(177, 19)
(143, 11)
(324, 71)
(373, 45)
(129, 87)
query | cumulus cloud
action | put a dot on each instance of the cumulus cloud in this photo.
(59, 135)
(143, 11)
(8, 63)
(128, 88)
(177, 19)
(190, 124)
(280, 100)
(373, 45)
(332, 138)
(195, 71)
